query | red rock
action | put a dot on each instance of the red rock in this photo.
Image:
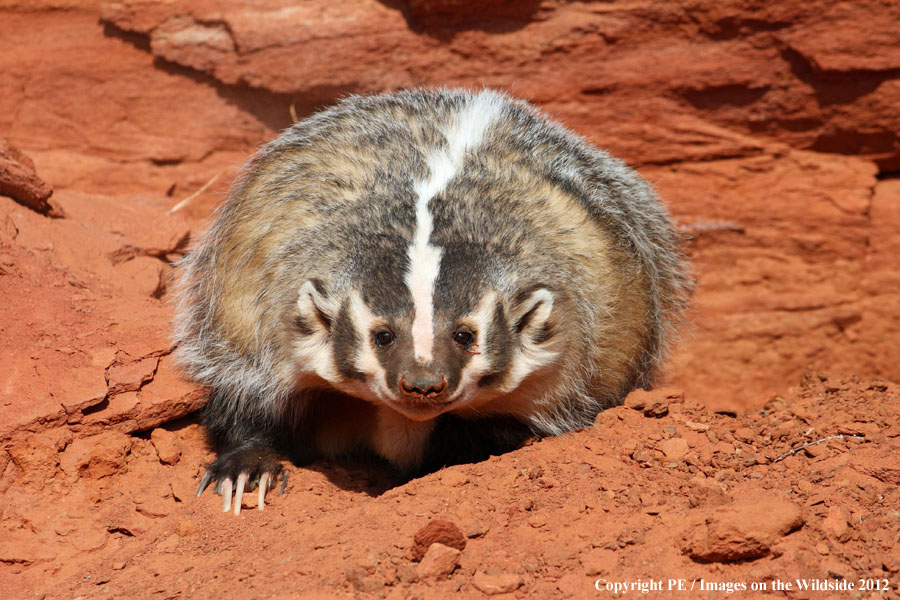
(745, 434)
(891, 559)
(167, 445)
(441, 13)
(20, 181)
(599, 561)
(439, 561)
(724, 448)
(881, 276)
(653, 403)
(129, 374)
(18, 547)
(804, 309)
(835, 524)
(36, 457)
(120, 411)
(617, 75)
(168, 396)
(843, 42)
(443, 532)
(154, 500)
(143, 276)
(698, 427)
(91, 540)
(98, 456)
(496, 584)
(407, 573)
(186, 528)
(705, 491)
(454, 477)
(83, 388)
(362, 581)
(746, 529)
(673, 448)
(572, 585)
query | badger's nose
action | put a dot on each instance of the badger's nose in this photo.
(423, 383)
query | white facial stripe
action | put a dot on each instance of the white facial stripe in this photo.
(480, 363)
(466, 131)
(424, 266)
(365, 360)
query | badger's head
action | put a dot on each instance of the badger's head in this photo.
(454, 344)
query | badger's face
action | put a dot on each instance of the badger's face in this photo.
(472, 345)
(429, 322)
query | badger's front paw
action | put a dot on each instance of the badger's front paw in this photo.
(241, 469)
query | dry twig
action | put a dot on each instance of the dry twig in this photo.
(839, 436)
(191, 198)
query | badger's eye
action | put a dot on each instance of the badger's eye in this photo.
(384, 338)
(463, 338)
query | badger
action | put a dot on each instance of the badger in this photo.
(431, 276)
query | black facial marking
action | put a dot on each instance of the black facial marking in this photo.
(543, 335)
(527, 291)
(526, 318)
(303, 326)
(324, 319)
(462, 278)
(498, 347)
(523, 296)
(489, 379)
(380, 268)
(448, 356)
(344, 343)
(320, 287)
(396, 356)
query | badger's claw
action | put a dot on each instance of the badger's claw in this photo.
(243, 470)
(207, 477)
(225, 490)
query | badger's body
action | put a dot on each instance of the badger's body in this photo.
(428, 275)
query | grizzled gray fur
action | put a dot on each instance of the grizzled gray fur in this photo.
(429, 276)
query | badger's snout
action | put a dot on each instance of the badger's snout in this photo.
(423, 384)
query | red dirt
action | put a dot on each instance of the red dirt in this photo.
(770, 130)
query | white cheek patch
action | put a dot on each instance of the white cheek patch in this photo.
(365, 360)
(525, 362)
(314, 352)
(530, 357)
(465, 132)
(480, 363)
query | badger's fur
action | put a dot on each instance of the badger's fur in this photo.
(429, 275)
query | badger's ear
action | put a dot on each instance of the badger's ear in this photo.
(530, 312)
(316, 309)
